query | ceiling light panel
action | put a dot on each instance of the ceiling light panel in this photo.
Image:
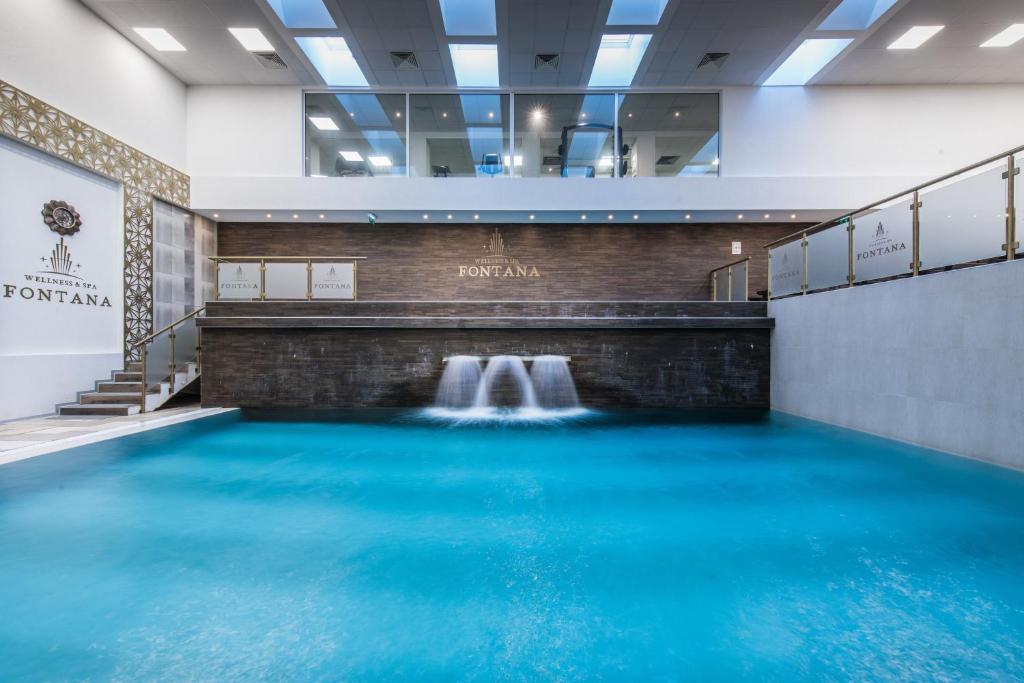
(302, 13)
(855, 15)
(160, 39)
(333, 59)
(476, 66)
(469, 17)
(915, 37)
(252, 39)
(636, 12)
(323, 122)
(618, 58)
(813, 55)
(1006, 37)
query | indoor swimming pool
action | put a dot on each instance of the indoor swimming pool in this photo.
(613, 546)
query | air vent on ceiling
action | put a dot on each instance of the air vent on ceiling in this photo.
(405, 61)
(270, 60)
(552, 161)
(667, 160)
(713, 60)
(545, 63)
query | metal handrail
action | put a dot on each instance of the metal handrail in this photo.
(156, 334)
(227, 259)
(899, 195)
(729, 265)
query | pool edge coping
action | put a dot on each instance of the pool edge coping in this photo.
(116, 431)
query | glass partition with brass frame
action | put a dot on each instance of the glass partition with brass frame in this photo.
(286, 278)
(731, 282)
(171, 359)
(964, 218)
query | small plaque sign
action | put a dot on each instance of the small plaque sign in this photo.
(737, 248)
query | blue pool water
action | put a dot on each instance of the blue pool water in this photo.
(623, 547)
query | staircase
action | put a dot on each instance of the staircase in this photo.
(121, 394)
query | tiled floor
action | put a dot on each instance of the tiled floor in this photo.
(34, 436)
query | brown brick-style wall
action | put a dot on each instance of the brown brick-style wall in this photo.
(575, 261)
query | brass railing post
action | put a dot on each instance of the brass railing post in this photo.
(309, 279)
(1011, 210)
(216, 280)
(746, 280)
(170, 358)
(915, 266)
(142, 383)
(850, 274)
(263, 280)
(728, 281)
(714, 286)
(768, 288)
(803, 248)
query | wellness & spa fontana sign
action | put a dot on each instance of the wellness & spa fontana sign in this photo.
(59, 278)
(497, 262)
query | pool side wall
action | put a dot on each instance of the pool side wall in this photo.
(936, 360)
(401, 367)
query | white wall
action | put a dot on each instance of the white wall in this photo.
(872, 130)
(877, 139)
(244, 131)
(61, 296)
(62, 53)
(936, 360)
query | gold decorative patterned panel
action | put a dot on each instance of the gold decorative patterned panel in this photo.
(33, 122)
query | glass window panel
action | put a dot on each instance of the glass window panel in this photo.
(828, 254)
(185, 341)
(669, 135)
(1018, 201)
(787, 269)
(286, 280)
(722, 285)
(563, 136)
(883, 241)
(334, 281)
(352, 135)
(158, 361)
(238, 280)
(964, 220)
(739, 282)
(459, 135)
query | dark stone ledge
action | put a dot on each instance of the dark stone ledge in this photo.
(486, 322)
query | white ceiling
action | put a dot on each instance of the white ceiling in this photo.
(759, 34)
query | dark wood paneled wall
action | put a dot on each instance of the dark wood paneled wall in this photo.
(575, 261)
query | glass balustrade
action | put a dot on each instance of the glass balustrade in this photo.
(964, 218)
(286, 278)
(731, 282)
(170, 361)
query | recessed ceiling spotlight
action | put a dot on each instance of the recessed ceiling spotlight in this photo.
(476, 216)
(444, 115)
(160, 39)
(583, 115)
(269, 216)
(636, 216)
(583, 217)
(490, 114)
(740, 216)
(915, 37)
(216, 215)
(767, 215)
(252, 39)
(322, 216)
(537, 114)
(449, 216)
(295, 215)
(677, 114)
(611, 216)
(531, 216)
(398, 114)
(687, 216)
(629, 115)
(792, 215)
(426, 216)
(1006, 37)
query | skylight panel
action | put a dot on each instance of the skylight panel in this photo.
(1006, 37)
(365, 110)
(855, 15)
(469, 17)
(915, 37)
(476, 66)
(636, 12)
(481, 108)
(303, 13)
(618, 58)
(160, 39)
(252, 39)
(333, 59)
(813, 55)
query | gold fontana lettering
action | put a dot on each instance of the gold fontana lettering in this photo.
(499, 271)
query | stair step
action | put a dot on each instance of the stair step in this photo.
(108, 397)
(101, 409)
(124, 376)
(134, 367)
(119, 387)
